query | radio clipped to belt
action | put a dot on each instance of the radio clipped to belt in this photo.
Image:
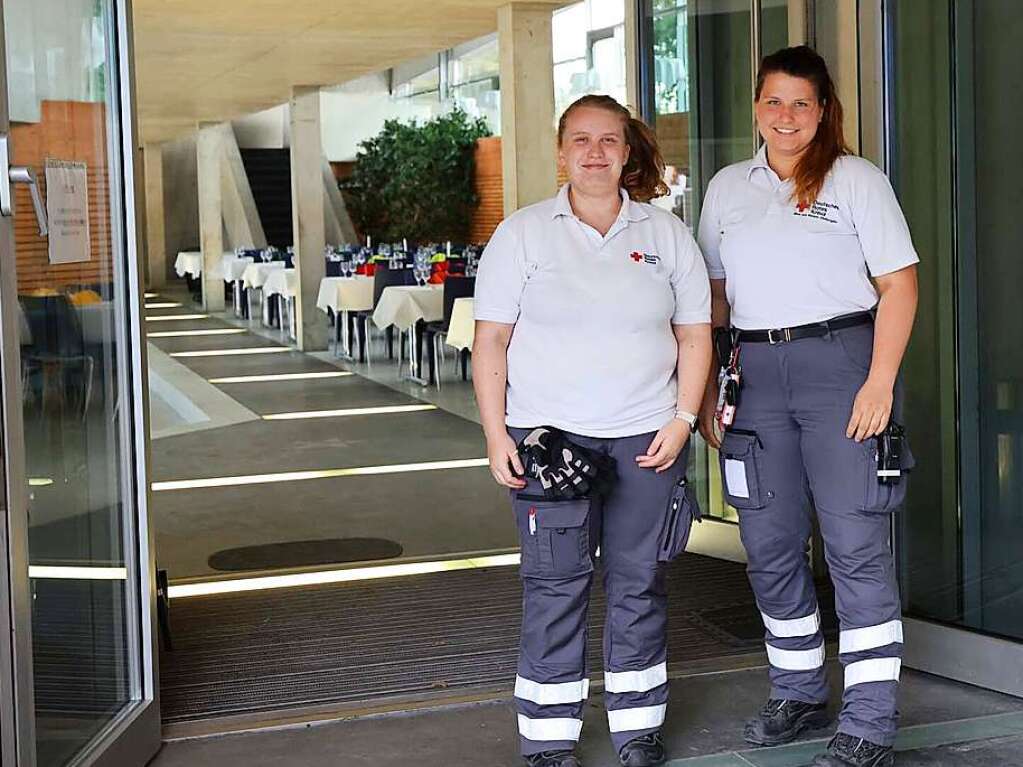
(730, 376)
(889, 454)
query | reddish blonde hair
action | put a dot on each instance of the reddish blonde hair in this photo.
(829, 143)
(643, 174)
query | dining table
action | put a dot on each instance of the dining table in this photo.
(408, 308)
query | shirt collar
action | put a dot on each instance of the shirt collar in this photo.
(759, 161)
(630, 211)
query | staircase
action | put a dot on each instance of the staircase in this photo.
(269, 172)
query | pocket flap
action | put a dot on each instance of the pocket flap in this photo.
(563, 514)
(737, 444)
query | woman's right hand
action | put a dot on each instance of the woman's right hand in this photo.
(709, 423)
(505, 463)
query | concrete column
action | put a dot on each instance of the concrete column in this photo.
(836, 29)
(527, 104)
(798, 33)
(308, 200)
(156, 241)
(211, 215)
(632, 54)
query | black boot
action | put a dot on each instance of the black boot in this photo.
(850, 751)
(781, 721)
(559, 758)
(644, 751)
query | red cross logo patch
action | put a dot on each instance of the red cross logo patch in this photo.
(649, 258)
(636, 256)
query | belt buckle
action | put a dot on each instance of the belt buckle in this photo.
(784, 333)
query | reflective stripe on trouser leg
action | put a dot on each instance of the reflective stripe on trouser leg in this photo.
(636, 673)
(776, 537)
(856, 528)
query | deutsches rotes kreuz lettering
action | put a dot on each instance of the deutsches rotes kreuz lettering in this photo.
(822, 211)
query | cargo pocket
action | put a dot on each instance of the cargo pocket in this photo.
(555, 537)
(678, 521)
(880, 498)
(739, 471)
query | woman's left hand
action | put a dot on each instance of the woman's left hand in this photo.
(871, 410)
(665, 447)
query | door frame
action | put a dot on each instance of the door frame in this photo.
(131, 738)
(953, 652)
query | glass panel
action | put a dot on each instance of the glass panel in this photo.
(71, 291)
(569, 26)
(703, 115)
(960, 543)
(774, 26)
(606, 13)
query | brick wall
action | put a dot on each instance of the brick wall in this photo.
(68, 130)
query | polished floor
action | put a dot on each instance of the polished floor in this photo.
(943, 723)
(256, 467)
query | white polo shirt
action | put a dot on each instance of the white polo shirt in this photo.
(784, 266)
(593, 351)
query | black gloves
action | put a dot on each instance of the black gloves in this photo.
(564, 469)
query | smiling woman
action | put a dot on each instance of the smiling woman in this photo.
(593, 269)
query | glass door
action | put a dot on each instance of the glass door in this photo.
(953, 152)
(78, 546)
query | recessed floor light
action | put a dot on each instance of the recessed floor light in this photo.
(338, 576)
(298, 476)
(169, 317)
(184, 333)
(150, 295)
(280, 377)
(348, 412)
(39, 482)
(232, 352)
(164, 305)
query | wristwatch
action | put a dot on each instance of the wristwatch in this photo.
(685, 415)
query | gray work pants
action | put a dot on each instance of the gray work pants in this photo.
(644, 522)
(785, 453)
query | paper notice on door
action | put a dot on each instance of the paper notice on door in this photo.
(735, 478)
(67, 208)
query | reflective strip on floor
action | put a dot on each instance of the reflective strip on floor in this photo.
(297, 476)
(348, 412)
(280, 377)
(169, 317)
(186, 333)
(337, 576)
(234, 352)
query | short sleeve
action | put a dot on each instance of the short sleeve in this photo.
(501, 276)
(880, 225)
(709, 232)
(689, 281)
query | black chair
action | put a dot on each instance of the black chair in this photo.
(383, 278)
(56, 341)
(454, 288)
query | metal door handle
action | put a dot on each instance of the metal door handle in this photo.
(19, 174)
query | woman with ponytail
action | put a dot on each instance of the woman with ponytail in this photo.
(813, 274)
(592, 347)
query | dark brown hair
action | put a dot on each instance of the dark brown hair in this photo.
(643, 174)
(829, 143)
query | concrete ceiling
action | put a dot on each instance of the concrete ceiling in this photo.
(213, 60)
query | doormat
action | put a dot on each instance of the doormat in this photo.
(290, 554)
(741, 625)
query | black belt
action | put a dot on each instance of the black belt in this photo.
(813, 330)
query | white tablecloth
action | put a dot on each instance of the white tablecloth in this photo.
(233, 267)
(188, 262)
(281, 282)
(348, 294)
(462, 329)
(403, 306)
(255, 274)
